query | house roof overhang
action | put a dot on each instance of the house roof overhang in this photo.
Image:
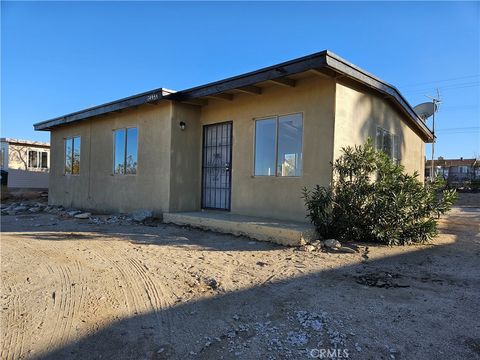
(149, 97)
(324, 62)
(22, 142)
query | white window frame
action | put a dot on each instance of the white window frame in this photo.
(395, 139)
(39, 160)
(125, 150)
(276, 117)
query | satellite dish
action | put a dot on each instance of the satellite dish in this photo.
(425, 110)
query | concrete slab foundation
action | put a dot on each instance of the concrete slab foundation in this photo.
(263, 229)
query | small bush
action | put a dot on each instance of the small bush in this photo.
(372, 199)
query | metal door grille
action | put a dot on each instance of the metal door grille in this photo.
(217, 166)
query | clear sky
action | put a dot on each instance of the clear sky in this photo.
(59, 57)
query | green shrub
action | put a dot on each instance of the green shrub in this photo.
(372, 199)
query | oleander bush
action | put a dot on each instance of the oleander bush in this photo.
(372, 199)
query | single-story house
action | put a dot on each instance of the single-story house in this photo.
(457, 172)
(24, 163)
(246, 144)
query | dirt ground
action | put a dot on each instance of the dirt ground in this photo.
(76, 290)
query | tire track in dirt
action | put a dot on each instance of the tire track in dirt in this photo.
(157, 301)
(55, 310)
(66, 293)
(66, 306)
(12, 337)
(15, 327)
(150, 291)
(131, 299)
(66, 302)
(131, 274)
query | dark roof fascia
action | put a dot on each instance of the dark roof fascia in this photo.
(298, 65)
(324, 60)
(321, 60)
(147, 97)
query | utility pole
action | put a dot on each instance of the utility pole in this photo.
(432, 167)
(435, 100)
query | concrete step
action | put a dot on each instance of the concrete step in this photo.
(263, 229)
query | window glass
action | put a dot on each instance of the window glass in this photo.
(32, 159)
(387, 143)
(379, 139)
(132, 146)
(44, 160)
(290, 131)
(68, 155)
(119, 161)
(265, 134)
(396, 148)
(76, 156)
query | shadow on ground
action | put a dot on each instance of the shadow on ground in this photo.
(434, 314)
(52, 228)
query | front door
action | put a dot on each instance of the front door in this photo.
(217, 166)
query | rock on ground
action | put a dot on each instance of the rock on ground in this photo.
(332, 244)
(85, 215)
(142, 215)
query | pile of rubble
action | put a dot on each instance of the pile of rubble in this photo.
(293, 336)
(330, 245)
(382, 280)
(22, 208)
(16, 208)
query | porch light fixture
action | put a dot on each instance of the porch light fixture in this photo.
(182, 125)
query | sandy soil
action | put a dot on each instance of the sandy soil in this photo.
(74, 290)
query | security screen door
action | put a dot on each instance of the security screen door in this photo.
(217, 166)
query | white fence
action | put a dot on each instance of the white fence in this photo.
(27, 179)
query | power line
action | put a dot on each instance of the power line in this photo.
(467, 106)
(438, 81)
(459, 130)
(452, 87)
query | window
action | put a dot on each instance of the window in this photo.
(37, 159)
(44, 160)
(72, 155)
(278, 146)
(125, 151)
(388, 143)
(463, 169)
(32, 159)
(265, 134)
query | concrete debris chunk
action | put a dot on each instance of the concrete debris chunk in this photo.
(332, 244)
(346, 250)
(85, 215)
(309, 248)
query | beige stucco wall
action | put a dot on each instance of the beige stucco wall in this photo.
(278, 197)
(169, 159)
(96, 187)
(185, 163)
(357, 115)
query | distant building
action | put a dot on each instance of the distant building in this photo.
(25, 163)
(456, 172)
